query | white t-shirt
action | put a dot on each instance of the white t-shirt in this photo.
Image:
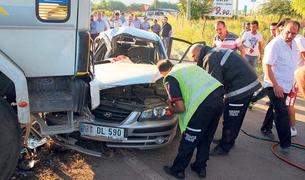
(283, 61)
(115, 23)
(251, 41)
(129, 24)
(300, 40)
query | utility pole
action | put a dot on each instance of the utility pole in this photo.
(188, 11)
(235, 6)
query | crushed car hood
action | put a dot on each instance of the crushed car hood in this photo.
(121, 74)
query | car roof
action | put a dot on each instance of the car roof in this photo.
(132, 32)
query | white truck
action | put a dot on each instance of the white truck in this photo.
(51, 88)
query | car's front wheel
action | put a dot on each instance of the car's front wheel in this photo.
(10, 140)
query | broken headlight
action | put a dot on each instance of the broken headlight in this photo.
(155, 113)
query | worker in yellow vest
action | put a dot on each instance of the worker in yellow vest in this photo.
(198, 99)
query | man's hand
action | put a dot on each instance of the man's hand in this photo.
(260, 59)
(278, 91)
(251, 50)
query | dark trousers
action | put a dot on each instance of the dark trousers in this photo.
(200, 133)
(259, 95)
(281, 118)
(233, 118)
(268, 121)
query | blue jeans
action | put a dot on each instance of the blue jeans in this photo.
(252, 60)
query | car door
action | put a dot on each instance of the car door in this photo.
(180, 51)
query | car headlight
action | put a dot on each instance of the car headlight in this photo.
(155, 113)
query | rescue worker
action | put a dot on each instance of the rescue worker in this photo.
(240, 82)
(198, 98)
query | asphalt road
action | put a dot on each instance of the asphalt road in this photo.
(249, 159)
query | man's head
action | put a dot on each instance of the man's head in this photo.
(155, 21)
(164, 19)
(164, 66)
(273, 27)
(117, 15)
(145, 18)
(221, 29)
(196, 51)
(99, 15)
(91, 18)
(280, 25)
(254, 26)
(130, 18)
(135, 17)
(290, 30)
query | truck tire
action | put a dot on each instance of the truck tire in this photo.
(10, 140)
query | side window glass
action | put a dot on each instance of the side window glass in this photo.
(56, 11)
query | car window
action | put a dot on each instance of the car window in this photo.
(53, 11)
(178, 49)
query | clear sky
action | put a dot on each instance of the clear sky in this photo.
(242, 3)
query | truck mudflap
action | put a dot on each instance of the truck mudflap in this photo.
(17, 76)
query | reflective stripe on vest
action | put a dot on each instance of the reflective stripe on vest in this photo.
(225, 57)
(195, 84)
(242, 90)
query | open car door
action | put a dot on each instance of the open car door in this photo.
(180, 51)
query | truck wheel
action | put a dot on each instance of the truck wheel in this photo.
(10, 140)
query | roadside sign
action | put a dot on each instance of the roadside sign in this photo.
(64, 2)
(222, 8)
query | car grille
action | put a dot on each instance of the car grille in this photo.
(110, 114)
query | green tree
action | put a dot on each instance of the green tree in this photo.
(135, 7)
(299, 6)
(99, 6)
(199, 8)
(116, 5)
(280, 8)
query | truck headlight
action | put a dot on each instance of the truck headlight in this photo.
(155, 113)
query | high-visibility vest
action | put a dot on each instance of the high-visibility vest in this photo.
(195, 85)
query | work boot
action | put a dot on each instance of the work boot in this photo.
(267, 133)
(285, 151)
(169, 171)
(202, 173)
(218, 151)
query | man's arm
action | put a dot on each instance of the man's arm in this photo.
(260, 51)
(278, 90)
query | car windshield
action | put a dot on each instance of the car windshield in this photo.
(136, 50)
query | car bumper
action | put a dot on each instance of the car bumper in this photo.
(140, 134)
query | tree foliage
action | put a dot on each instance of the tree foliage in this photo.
(162, 4)
(278, 7)
(199, 8)
(299, 6)
(116, 5)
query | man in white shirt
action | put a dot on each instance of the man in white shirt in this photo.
(115, 22)
(129, 22)
(280, 62)
(252, 40)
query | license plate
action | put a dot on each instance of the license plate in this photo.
(101, 131)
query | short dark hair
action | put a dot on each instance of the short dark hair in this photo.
(247, 23)
(221, 22)
(273, 24)
(254, 22)
(117, 14)
(164, 65)
(296, 23)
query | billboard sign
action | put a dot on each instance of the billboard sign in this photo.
(222, 8)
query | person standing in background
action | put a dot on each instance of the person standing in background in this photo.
(122, 18)
(145, 24)
(136, 22)
(129, 22)
(226, 39)
(166, 33)
(93, 28)
(115, 22)
(252, 41)
(156, 28)
(100, 23)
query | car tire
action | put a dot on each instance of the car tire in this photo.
(10, 140)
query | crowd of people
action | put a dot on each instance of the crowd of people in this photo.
(99, 22)
(223, 83)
